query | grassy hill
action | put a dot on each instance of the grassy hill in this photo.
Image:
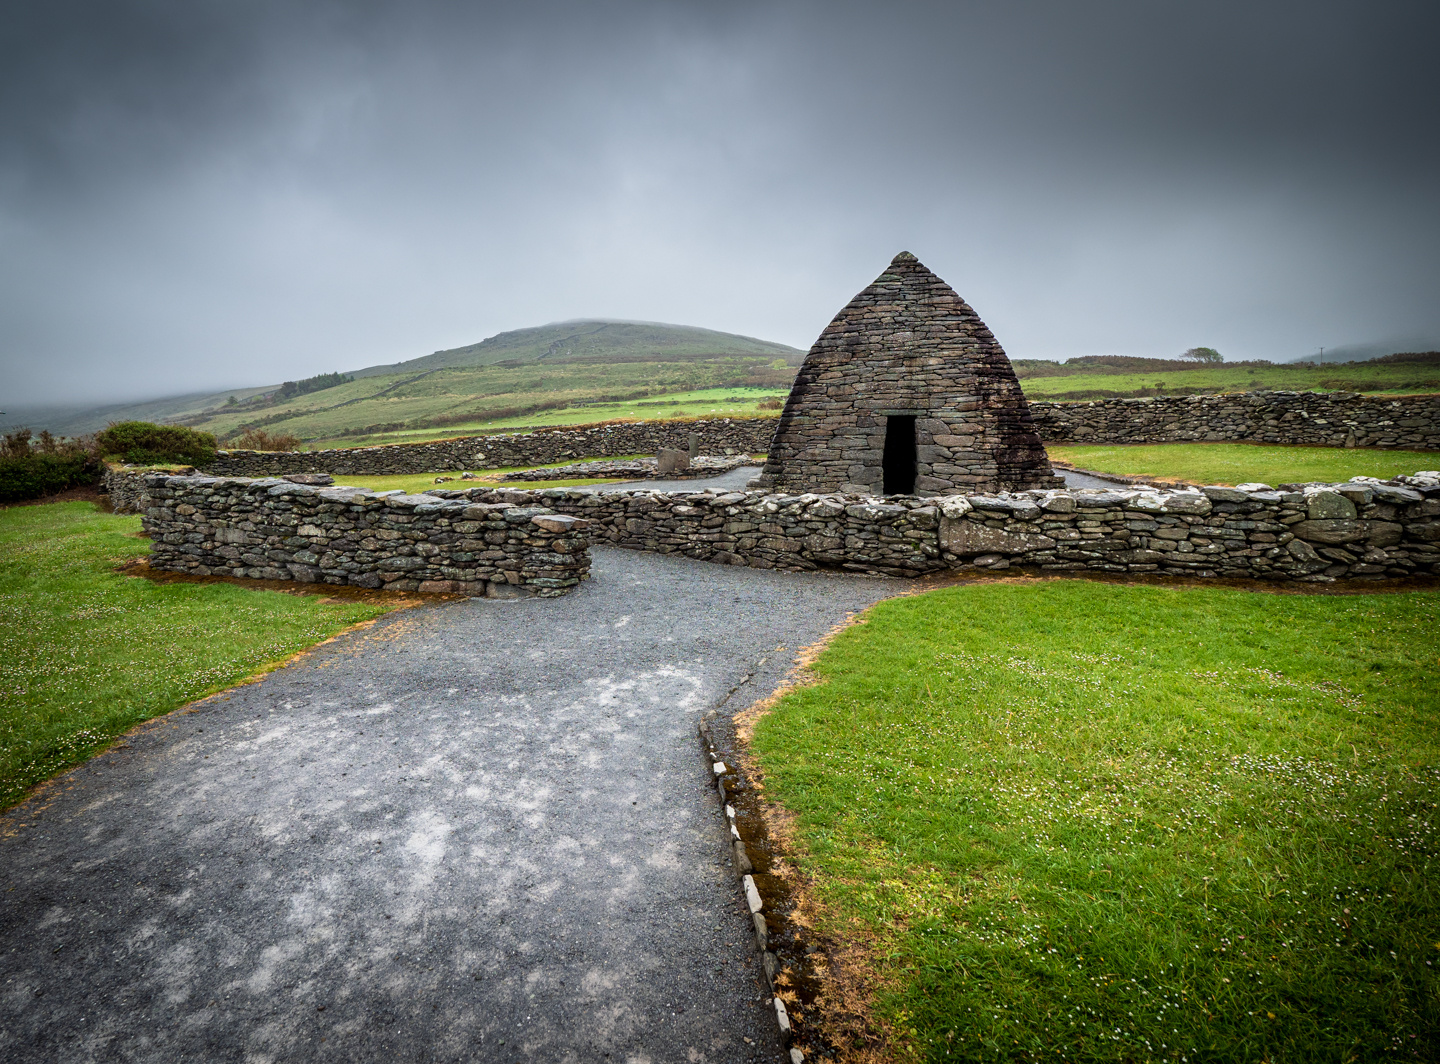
(451, 401)
(586, 371)
(580, 362)
(554, 374)
(605, 342)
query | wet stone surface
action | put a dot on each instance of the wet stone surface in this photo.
(907, 348)
(476, 831)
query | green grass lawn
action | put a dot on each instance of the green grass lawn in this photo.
(708, 402)
(1242, 463)
(1081, 821)
(86, 653)
(453, 401)
(1094, 382)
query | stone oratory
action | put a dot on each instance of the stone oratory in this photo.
(907, 392)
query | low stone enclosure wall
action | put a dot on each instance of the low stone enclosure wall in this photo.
(1324, 418)
(717, 436)
(1319, 533)
(1331, 419)
(507, 542)
(277, 530)
(126, 489)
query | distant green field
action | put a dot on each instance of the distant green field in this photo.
(448, 402)
(1067, 382)
(706, 402)
(1242, 463)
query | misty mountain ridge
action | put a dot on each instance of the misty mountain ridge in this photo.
(595, 340)
(1370, 352)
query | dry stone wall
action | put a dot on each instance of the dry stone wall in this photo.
(126, 489)
(1363, 529)
(1313, 532)
(717, 436)
(897, 536)
(505, 542)
(1332, 419)
(273, 529)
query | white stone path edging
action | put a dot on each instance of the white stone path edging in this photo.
(743, 869)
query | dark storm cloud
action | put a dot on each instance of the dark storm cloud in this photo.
(202, 195)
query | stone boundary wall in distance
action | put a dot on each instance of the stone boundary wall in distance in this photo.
(1363, 529)
(1332, 419)
(718, 436)
(277, 530)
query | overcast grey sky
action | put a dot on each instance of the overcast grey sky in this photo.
(201, 194)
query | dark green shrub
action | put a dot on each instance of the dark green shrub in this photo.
(1203, 354)
(33, 467)
(143, 443)
(31, 476)
(290, 389)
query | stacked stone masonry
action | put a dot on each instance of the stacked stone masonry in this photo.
(717, 436)
(907, 392)
(278, 530)
(1361, 529)
(1331, 419)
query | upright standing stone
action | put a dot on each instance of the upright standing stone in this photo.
(907, 392)
(669, 460)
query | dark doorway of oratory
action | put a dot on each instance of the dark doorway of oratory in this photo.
(899, 458)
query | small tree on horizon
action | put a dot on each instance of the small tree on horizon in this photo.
(1203, 354)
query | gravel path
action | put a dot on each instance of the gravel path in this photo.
(1087, 480)
(734, 480)
(737, 479)
(476, 831)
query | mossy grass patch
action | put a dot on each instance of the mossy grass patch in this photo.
(1072, 820)
(87, 652)
(1241, 463)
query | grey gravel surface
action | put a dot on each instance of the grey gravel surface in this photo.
(737, 479)
(734, 480)
(477, 831)
(1088, 480)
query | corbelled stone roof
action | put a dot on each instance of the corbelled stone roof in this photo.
(907, 346)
